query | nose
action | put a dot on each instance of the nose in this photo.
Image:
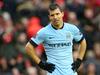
(55, 16)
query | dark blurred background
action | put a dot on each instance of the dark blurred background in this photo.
(21, 19)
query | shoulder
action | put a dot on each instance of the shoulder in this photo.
(43, 30)
(71, 27)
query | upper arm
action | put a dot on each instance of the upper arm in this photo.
(29, 46)
(77, 34)
(83, 42)
(38, 39)
(35, 41)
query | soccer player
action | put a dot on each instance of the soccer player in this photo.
(57, 38)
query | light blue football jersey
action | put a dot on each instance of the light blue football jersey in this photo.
(58, 46)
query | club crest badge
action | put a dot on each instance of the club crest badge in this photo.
(68, 35)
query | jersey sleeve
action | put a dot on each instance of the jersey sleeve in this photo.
(39, 38)
(77, 34)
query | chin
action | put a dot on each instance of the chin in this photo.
(55, 24)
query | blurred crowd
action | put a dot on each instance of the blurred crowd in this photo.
(21, 19)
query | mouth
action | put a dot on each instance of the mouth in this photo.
(56, 21)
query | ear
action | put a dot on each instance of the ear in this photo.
(48, 15)
(62, 14)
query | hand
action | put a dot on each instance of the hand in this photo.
(76, 64)
(47, 66)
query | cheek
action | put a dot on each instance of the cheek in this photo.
(51, 19)
(60, 16)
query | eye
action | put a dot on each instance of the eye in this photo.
(52, 15)
(57, 13)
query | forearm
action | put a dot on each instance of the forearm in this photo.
(76, 64)
(82, 49)
(30, 50)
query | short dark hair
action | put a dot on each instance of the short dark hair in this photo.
(54, 6)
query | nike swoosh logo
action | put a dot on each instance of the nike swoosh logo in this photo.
(51, 37)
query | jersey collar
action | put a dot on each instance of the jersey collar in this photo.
(56, 28)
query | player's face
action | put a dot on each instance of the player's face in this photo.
(56, 16)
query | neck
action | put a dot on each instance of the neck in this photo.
(58, 26)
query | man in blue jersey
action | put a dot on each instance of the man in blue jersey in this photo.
(57, 38)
